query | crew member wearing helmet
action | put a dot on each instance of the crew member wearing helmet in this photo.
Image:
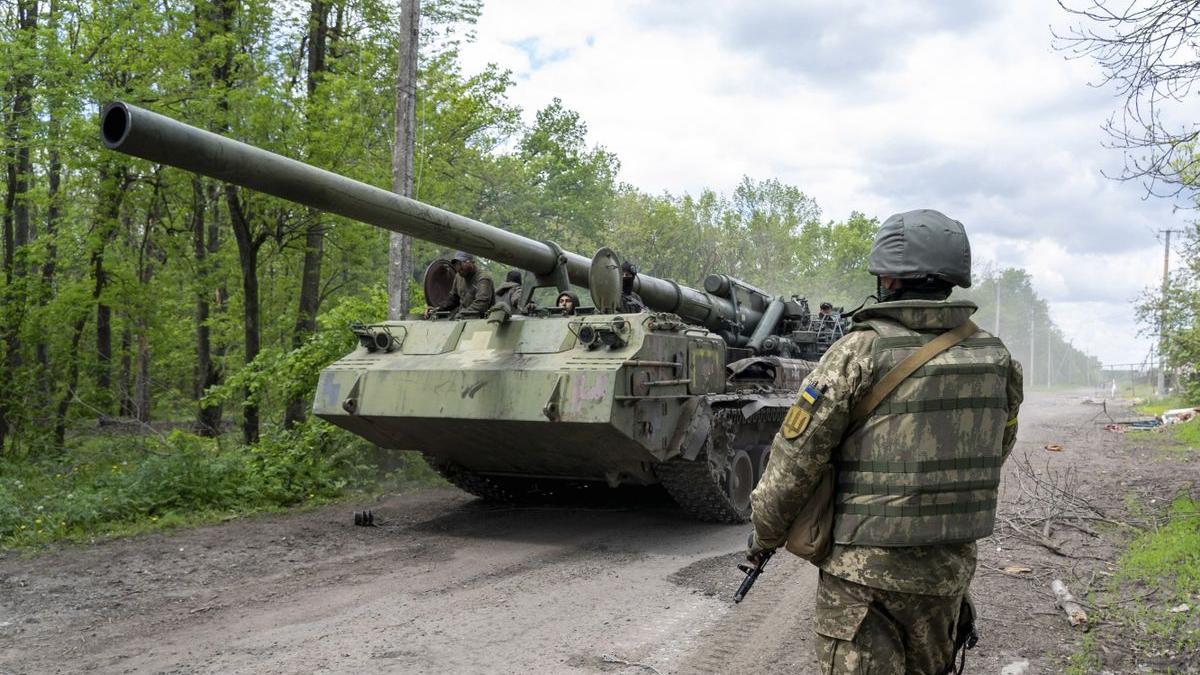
(916, 479)
(631, 302)
(568, 302)
(472, 294)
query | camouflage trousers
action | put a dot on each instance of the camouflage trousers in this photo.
(868, 630)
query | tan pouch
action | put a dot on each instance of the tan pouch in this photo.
(811, 533)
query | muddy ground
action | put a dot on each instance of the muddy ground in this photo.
(446, 583)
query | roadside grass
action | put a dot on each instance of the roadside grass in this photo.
(1153, 597)
(1158, 406)
(107, 485)
(1086, 659)
(1183, 437)
(1187, 433)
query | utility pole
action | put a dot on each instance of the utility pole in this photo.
(1048, 343)
(1162, 318)
(1032, 328)
(400, 245)
(996, 332)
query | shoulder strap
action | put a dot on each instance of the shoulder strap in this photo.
(907, 367)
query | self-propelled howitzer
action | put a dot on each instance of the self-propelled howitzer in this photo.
(688, 394)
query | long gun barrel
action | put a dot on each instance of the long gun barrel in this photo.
(135, 131)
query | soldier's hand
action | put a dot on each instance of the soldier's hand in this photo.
(755, 552)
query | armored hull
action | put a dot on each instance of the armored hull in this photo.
(507, 407)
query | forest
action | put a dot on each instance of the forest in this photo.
(161, 333)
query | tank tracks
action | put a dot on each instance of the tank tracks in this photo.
(487, 488)
(518, 490)
(716, 485)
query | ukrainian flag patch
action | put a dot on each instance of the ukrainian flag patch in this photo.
(810, 395)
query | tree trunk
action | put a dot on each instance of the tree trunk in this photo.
(141, 396)
(103, 333)
(22, 116)
(400, 245)
(53, 211)
(7, 329)
(208, 418)
(103, 338)
(125, 386)
(16, 211)
(248, 246)
(211, 18)
(112, 192)
(64, 403)
(314, 234)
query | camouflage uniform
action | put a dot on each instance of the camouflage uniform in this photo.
(471, 296)
(883, 609)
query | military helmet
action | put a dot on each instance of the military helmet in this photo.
(920, 244)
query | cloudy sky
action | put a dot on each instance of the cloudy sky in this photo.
(877, 107)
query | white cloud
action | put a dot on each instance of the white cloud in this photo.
(963, 107)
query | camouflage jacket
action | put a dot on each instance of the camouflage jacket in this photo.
(846, 374)
(471, 297)
(509, 293)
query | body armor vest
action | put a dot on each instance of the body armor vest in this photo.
(924, 467)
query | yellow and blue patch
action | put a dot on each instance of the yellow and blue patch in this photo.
(810, 395)
(795, 423)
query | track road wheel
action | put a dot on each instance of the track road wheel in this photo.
(715, 486)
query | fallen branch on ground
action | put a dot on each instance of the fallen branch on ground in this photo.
(1063, 598)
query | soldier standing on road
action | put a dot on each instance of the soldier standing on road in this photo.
(916, 478)
(631, 302)
(473, 293)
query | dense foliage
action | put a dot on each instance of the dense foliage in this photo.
(137, 296)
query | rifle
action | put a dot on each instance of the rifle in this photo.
(752, 572)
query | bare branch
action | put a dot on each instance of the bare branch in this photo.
(1149, 52)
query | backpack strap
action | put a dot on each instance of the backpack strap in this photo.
(908, 366)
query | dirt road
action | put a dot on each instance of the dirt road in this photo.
(446, 583)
